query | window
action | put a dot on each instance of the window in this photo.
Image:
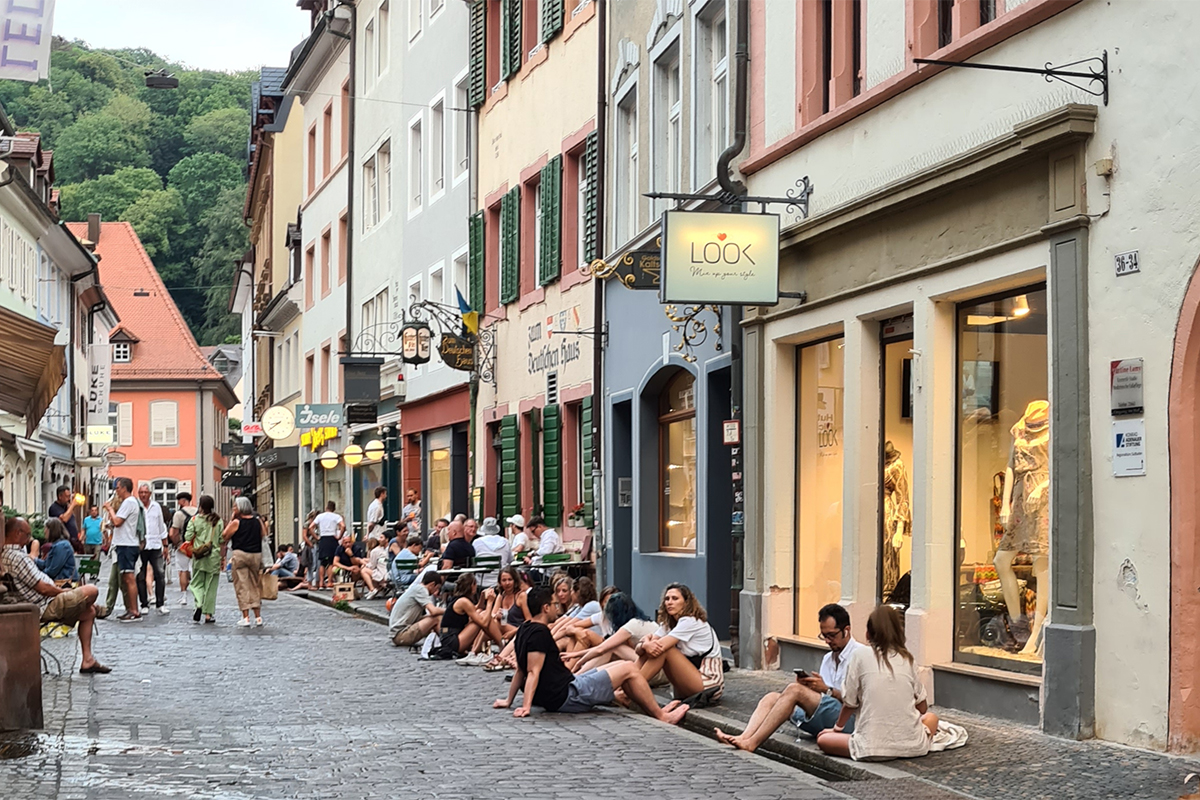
(627, 195)
(383, 54)
(309, 389)
(833, 75)
(416, 166)
(1003, 480)
(327, 144)
(122, 352)
(677, 464)
(414, 19)
(370, 54)
(325, 374)
(164, 423)
(342, 244)
(385, 177)
(537, 223)
(414, 292)
(437, 165)
(163, 491)
(461, 278)
(437, 286)
(712, 92)
(375, 310)
(435, 6)
(326, 246)
(668, 126)
(312, 159)
(895, 522)
(344, 132)
(370, 195)
(124, 423)
(310, 275)
(461, 154)
(819, 404)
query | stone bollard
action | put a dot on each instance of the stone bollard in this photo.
(20, 667)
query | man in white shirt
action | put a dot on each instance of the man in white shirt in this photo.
(129, 529)
(814, 702)
(152, 552)
(490, 542)
(518, 538)
(375, 512)
(330, 526)
(549, 540)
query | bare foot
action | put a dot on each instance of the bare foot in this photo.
(723, 737)
(671, 705)
(620, 699)
(676, 716)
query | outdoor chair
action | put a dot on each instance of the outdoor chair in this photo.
(490, 563)
(89, 566)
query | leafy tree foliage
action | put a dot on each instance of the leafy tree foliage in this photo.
(222, 131)
(102, 142)
(108, 195)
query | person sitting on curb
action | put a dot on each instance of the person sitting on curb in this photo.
(351, 559)
(685, 648)
(813, 702)
(546, 682)
(463, 620)
(67, 606)
(287, 564)
(414, 614)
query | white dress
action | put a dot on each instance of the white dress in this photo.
(887, 724)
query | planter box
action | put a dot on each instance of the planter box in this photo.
(20, 667)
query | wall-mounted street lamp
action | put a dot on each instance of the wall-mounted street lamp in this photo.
(329, 459)
(352, 455)
(374, 450)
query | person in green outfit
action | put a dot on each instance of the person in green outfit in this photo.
(204, 529)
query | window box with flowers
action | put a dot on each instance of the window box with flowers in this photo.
(575, 518)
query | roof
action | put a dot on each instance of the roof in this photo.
(166, 349)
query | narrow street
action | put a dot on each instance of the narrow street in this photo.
(317, 704)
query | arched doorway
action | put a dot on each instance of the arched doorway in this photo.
(1184, 419)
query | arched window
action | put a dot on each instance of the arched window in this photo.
(677, 464)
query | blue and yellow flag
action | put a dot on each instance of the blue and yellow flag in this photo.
(470, 317)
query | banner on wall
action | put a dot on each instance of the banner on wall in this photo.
(25, 39)
(99, 382)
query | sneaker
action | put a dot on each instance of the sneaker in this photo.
(128, 617)
(210, 620)
(371, 594)
(164, 610)
(258, 622)
(183, 598)
(465, 661)
(196, 616)
(243, 623)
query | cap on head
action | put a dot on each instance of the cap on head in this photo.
(517, 519)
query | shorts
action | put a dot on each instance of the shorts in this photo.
(824, 717)
(182, 562)
(327, 548)
(127, 557)
(591, 689)
(407, 637)
(66, 607)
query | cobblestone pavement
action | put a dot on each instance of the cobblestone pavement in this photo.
(319, 704)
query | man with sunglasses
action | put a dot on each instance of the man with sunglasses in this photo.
(813, 702)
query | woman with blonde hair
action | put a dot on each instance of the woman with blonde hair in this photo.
(685, 647)
(203, 534)
(245, 533)
(883, 688)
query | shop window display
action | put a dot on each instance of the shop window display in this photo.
(895, 540)
(438, 504)
(1004, 480)
(819, 403)
(677, 443)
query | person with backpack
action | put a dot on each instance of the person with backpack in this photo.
(184, 511)
(203, 539)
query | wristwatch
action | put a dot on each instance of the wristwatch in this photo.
(829, 691)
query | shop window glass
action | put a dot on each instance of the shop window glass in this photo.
(895, 539)
(1002, 567)
(370, 477)
(677, 447)
(439, 484)
(820, 402)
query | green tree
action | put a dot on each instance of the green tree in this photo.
(226, 239)
(102, 142)
(201, 178)
(108, 195)
(156, 216)
(222, 131)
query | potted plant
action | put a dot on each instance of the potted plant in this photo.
(575, 517)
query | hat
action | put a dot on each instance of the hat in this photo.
(516, 519)
(489, 527)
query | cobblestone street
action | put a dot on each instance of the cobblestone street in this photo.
(318, 704)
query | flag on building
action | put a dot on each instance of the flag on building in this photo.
(470, 317)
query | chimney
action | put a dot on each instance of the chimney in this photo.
(93, 233)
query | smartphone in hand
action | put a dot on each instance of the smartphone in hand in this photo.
(801, 673)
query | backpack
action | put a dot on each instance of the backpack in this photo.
(177, 538)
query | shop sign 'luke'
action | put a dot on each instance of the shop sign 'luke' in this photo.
(722, 259)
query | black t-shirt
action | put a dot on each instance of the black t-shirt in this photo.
(344, 560)
(57, 509)
(555, 678)
(248, 536)
(459, 552)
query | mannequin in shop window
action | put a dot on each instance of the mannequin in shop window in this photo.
(1025, 515)
(897, 516)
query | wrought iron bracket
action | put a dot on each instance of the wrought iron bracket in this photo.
(1097, 72)
(796, 201)
(694, 331)
(601, 335)
(485, 347)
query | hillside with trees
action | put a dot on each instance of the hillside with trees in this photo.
(170, 162)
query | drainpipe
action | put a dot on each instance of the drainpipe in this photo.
(350, 167)
(731, 191)
(600, 547)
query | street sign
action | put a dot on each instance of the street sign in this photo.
(237, 448)
(113, 457)
(252, 429)
(99, 434)
(318, 415)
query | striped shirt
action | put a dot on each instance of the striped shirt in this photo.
(17, 563)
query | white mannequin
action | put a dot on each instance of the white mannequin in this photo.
(1037, 412)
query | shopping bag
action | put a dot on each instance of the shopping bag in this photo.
(270, 586)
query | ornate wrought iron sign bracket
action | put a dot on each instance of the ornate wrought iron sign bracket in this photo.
(1097, 72)
(693, 330)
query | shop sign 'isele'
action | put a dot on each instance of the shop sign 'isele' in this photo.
(723, 259)
(318, 415)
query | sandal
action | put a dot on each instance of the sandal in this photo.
(95, 669)
(494, 666)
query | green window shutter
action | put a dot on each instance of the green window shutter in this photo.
(552, 463)
(510, 38)
(535, 459)
(510, 246)
(591, 246)
(475, 265)
(550, 259)
(477, 82)
(510, 466)
(588, 435)
(552, 19)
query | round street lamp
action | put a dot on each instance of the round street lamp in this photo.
(374, 450)
(329, 459)
(352, 455)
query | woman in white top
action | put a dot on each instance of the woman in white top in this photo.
(629, 625)
(882, 687)
(685, 647)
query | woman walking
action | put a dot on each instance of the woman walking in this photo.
(245, 533)
(203, 534)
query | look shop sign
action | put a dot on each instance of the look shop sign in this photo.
(722, 259)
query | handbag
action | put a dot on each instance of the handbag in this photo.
(270, 586)
(187, 549)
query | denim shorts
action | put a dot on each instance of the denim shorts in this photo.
(127, 557)
(593, 688)
(824, 717)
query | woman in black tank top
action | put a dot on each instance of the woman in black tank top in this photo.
(465, 619)
(245, 534)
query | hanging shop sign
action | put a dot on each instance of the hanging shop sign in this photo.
(722, 259)
(1125, 387)
(361, 413)
(415, 345)
(99, 434)
(278, 458)
(360, 379)
(237, 449)
(234, 479)
(251, 428)
(114, 457)
(318, 415)
(640, 269)
(457, 351)
(317, 437)
(99, 383)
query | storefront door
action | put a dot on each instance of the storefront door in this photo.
(895, 460)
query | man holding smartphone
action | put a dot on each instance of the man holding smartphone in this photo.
(813, 702)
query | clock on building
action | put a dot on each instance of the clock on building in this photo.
(278, 422)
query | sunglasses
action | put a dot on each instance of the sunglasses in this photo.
(829, 637)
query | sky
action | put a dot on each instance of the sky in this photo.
(227, 35)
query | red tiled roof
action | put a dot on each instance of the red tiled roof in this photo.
(165, 348)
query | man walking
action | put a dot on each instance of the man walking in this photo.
(152, 551)
(93, 532)
(64, 507)
(129, 531)
(330, 526)
(184, 511)
(375, 512)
